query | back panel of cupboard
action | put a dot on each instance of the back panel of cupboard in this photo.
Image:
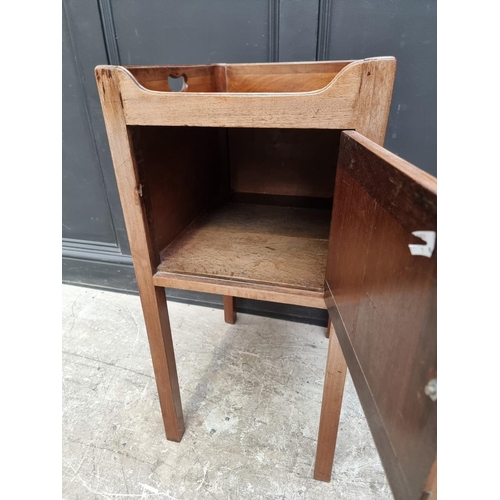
(286, 162)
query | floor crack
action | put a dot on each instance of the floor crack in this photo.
(106, 363)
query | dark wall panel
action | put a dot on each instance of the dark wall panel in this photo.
(86, 214)
(91, 205)
(407, 30)
(191, 32)
(298, 26)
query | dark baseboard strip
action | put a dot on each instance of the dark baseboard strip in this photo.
(113, 276)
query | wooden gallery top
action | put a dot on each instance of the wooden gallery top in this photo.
(236, 170)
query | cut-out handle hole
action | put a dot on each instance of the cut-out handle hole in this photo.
(176, 84)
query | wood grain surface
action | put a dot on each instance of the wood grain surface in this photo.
(375, 94)
(242, 289)
(382, 301)
(280, 246)
(283, 162)
(282, 77)
(152, 298)
(229, 309)
(197, 78)
(334, 106)
(333, 391)
(259, 77)
(178, 181)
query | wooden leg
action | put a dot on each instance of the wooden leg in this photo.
(430, 488)
(333, 390)
(229, 309)
(154, 305)
(328, 328)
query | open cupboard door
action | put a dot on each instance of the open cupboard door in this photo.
(381, 297)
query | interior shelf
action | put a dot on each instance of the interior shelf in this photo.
(254, 244)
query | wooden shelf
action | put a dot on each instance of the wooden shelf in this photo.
(254, 251)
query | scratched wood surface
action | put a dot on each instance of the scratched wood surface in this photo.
(337, 105)
(334, 106)
(382, 301)
(279, 246)
(375, 95)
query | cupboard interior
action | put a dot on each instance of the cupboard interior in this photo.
(245, 205)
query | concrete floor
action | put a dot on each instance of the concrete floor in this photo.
(251, 395)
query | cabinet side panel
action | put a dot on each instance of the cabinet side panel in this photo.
(179, 170)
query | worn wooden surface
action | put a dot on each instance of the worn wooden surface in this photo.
(382, 301)
(244, 290)
(178, 181)
(283, 162)
(282, 77)
(261, 77)
(334, 106)
(333, 390)
(408, 193)
(152, 298)
(328, 328)
(197, 78)
(279, 246)
(430, 488)
(229, 309)
(375, 96)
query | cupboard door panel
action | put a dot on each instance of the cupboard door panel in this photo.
(382, 301)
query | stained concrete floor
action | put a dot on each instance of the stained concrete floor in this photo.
(251, 395)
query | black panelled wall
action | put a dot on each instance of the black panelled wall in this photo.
(95, 248)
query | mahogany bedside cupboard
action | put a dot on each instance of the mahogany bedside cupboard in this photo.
(269, 182)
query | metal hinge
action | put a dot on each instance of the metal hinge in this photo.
(139, 189)
(430, 243)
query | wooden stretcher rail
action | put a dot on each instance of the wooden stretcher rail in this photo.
(269, 293)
